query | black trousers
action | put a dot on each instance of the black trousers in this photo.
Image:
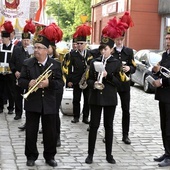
(108, 115)
(18, 100)
(164, 109)
(76, 101)
(49, 135)
(125, 105)
(58, 121)
(7, 86)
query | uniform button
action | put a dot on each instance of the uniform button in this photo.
(100, 92)
(42, 95)
(43, 91)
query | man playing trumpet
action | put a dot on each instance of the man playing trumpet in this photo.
(162, 95)
(41, 101)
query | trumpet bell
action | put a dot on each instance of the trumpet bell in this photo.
(99, 86)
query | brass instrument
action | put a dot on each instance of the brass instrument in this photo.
(165, 72)
(122, 74)
(34, 88)
(83, 81)
(99, 85)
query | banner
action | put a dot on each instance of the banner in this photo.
(16, 11)
(39, 17)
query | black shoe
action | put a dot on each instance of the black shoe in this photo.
(165, 162)
(75, 120)
(85, 120)
(51, 162)
(160, 159)
(30, 162)
(10, 112)
(58, 142)
(104, 140)
(126, 140)
(1, 110)
(23, 127)
(89, 159)
(110, 159)
(17, 117)
(88, 129)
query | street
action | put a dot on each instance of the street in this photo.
(144, 134)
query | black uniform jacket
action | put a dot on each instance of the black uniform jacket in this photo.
(9, 49)
(77, 66)
(107, 96)
(42, 99)
(162, 93)
(126, 55)
(17, 59)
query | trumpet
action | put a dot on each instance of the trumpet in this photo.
(34, 88)
(165, 72)
(99, 85)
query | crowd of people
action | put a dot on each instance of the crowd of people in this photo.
(101, 75)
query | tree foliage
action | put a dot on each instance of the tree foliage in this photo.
(67, 14)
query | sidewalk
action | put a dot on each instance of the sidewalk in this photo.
(144, 134)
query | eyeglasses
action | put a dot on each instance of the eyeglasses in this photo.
(168, 38)
(79, 43)
(39, 48)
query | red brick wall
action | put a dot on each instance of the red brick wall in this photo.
(145, 33)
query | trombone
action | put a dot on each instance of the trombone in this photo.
(34, 88)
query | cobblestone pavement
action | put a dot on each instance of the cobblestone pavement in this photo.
(144, 134)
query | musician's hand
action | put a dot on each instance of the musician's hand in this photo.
(44, 83)
(156, 68)
(126, 68)
(104, 73)
(157, 83)
(32, 83)
(70, 84)
(17, 74)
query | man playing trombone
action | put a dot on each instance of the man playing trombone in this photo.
(41, 76)
(162, 95)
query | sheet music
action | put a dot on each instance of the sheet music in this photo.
(99, 67)
(30, 50)
(150, 79)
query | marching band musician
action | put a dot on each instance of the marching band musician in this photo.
(66, 60)
(79, 61)
(14, 40)
(104, 97)
(41, 102)
(126, 56)
(162, 94)
(7, 80)
(20, 53)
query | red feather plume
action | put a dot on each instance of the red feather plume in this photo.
(52, 32)
(29, 27)
(126, 18)
(8, 26)
(82, 31)
(114, 28)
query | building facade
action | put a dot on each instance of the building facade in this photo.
(150, 19)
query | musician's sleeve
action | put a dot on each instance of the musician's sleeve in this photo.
(24, 79)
